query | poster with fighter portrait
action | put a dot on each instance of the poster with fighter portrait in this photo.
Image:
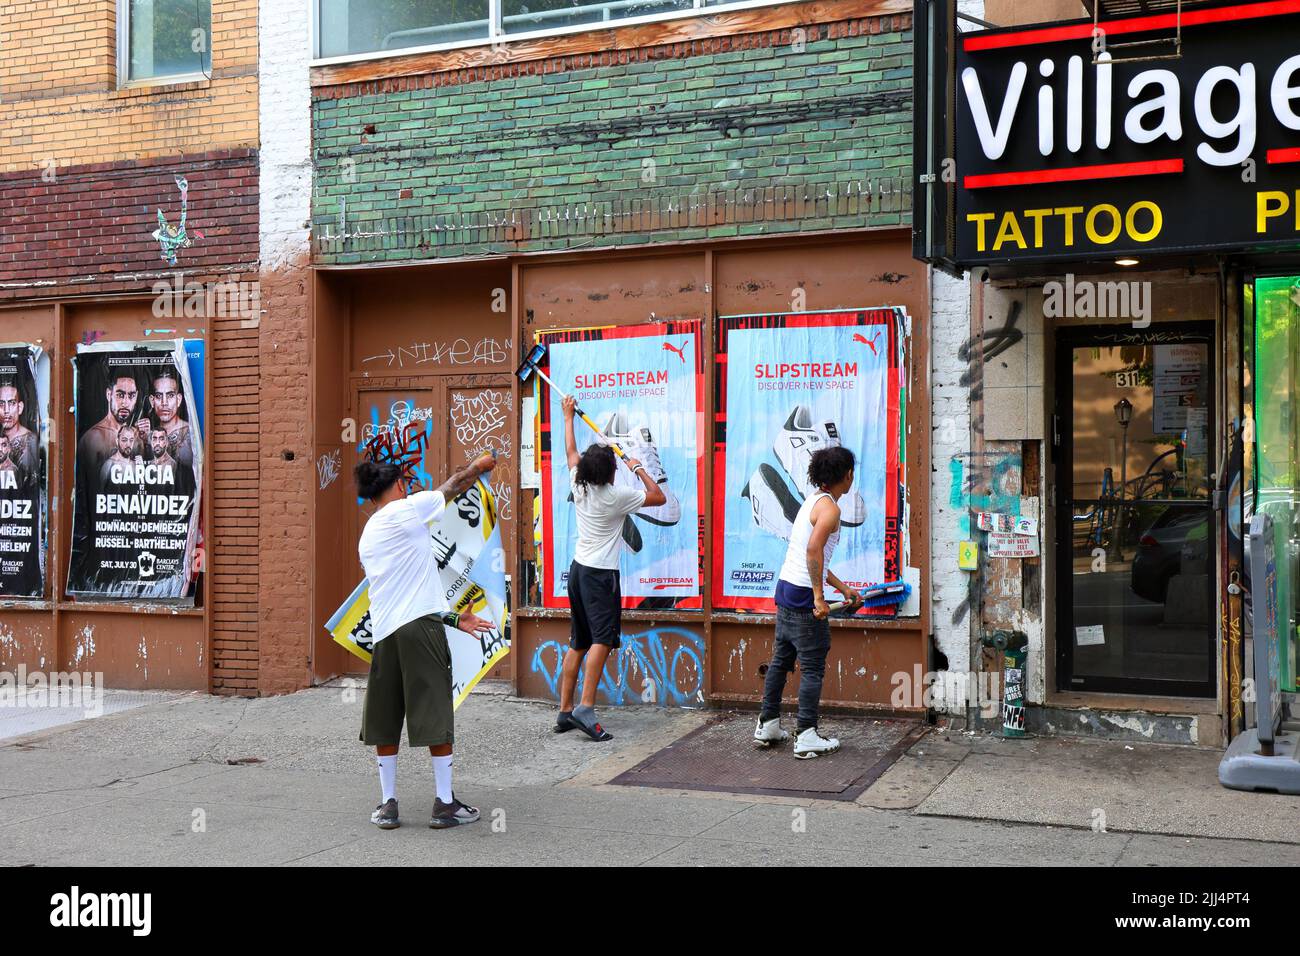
(787, 386)
(138, 473)
(643, 388)
(24, 401)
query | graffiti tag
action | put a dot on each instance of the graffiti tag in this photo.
(645, 671)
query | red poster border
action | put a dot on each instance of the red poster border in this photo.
(891, 318)
(605, 333)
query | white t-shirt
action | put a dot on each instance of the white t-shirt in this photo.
(601, 510)
(397, 552)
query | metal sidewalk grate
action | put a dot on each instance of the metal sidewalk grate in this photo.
(721, 756)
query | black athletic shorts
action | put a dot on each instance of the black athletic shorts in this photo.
(596, 601)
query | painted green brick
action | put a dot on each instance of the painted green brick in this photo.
(744, 119)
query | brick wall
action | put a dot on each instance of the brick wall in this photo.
(233, 483)
(59, 101)
(288, 487)
(84, 169)
(955, 604)
(744, 135)
(88, 229)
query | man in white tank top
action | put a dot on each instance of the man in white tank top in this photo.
(803, 632)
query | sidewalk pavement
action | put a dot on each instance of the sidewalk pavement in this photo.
(199, 780)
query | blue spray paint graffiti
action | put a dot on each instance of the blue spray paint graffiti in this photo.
(991, 485)
(397, 436)
(644, 669)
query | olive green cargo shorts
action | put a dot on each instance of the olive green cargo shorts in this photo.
(410, 678)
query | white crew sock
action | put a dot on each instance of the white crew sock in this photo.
(442, 777)
(388, 777)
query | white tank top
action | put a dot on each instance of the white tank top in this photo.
(795, 568)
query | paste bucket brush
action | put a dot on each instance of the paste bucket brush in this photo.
(880, 595)
(529, 366)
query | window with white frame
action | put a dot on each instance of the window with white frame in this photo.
(163, 39)
(357, 28)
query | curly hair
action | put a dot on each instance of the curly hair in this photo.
(596, 466)
(374, 478)
(829, 466)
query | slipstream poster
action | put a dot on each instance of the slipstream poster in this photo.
(643, 387)
(139, 472)
(24, 404)
(789, 385)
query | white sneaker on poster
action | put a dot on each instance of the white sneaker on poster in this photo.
(795, 444)
(638, 443)
(771, 502)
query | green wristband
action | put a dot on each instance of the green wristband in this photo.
(451, 619)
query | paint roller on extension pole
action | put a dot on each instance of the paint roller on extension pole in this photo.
(529, 366)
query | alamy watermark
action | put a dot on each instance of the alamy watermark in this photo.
(39, 689)
(1089, 299)
(222, 299)
(949, 692)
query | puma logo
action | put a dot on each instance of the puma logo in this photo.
(869, 343)
(681, 352)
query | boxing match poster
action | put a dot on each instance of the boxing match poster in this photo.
(643, 387)
(788, 385)
(138, 472)
(24, 404)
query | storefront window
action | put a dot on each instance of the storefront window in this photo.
(1275, 376)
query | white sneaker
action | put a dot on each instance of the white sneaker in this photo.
(771, 502)
(811, 744)
(769, 732)
(638, 443)
(799, 437)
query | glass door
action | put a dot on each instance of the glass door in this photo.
(1135, 518)
(1272, 316)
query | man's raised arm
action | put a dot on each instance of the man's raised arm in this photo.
(461, 481)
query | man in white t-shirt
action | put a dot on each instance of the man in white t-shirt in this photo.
(410, 666)
(595, 597)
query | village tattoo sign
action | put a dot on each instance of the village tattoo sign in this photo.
(1065, 152)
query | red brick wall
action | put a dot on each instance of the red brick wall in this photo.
(87, 232)
(233, 483)
(287, 480)
(88, 229)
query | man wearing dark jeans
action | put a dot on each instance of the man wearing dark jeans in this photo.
(802, 629)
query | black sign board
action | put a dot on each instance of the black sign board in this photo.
(1066, 150)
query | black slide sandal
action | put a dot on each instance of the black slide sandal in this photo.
(594, 731)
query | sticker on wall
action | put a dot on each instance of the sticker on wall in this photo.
(1090, 635)
(529, 476)
(993, 521)
(968, 555)
(1010, 545)
(1025, 525)
(173, 238)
